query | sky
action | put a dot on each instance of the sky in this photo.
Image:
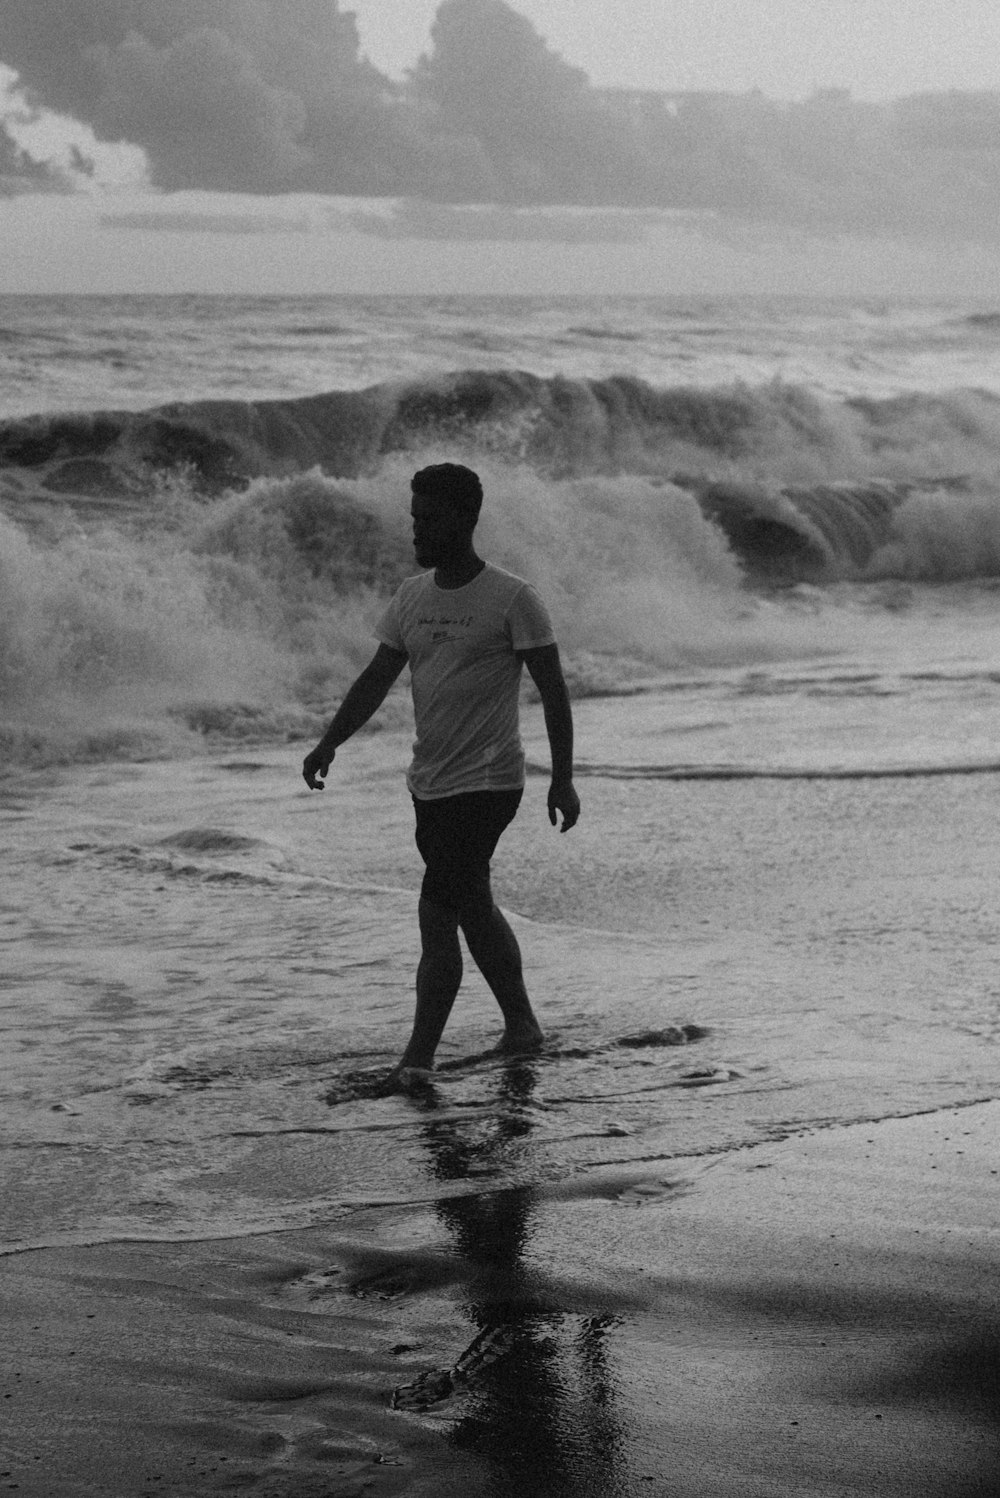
(299, 146)
(877, 48)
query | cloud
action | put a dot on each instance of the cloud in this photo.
(275, 96)
(234, 95)
(202, 111)
(832, 165)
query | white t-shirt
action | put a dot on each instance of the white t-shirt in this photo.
(465, 676)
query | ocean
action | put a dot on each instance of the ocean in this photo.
(769, 535)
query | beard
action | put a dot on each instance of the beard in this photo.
(439, 553)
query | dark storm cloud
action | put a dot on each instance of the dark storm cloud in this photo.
(271, 96)
(244, 95)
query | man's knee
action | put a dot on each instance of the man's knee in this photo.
(438, 923)
(475, 914)
(440, 947)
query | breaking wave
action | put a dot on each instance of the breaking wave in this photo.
(801, 485)
(213, 569)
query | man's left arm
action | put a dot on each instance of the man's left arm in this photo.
(546, 672)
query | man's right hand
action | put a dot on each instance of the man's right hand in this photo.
(316, 766)
(563, 798)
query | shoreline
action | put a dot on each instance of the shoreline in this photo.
(812, 1315)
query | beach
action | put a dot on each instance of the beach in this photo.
(817, 1315)
(734, 1230)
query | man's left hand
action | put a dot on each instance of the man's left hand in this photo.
(563, 798)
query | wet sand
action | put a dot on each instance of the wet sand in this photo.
(815, 1315)
(733, 1235)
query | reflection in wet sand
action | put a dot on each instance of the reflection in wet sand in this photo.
(536, 1382)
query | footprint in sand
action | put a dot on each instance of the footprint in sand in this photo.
(318, 1282)
(440, 1383)
(387, 1284)
(648, 1193)
(410, 1275)
(384, 1284)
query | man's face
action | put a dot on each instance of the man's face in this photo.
(440, 531)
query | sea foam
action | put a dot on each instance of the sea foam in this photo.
(216, 568)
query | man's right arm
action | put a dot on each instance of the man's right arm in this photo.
(364, 698)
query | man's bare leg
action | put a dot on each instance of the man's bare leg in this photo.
(439, 975)
(495, 951)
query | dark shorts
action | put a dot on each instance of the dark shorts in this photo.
(457, 836)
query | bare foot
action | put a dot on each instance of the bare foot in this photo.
(525, 1040)
(411, 1080)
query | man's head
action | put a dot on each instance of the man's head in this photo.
(446, 502)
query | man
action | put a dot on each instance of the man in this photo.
(465, 628)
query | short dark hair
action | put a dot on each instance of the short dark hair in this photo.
(452, 482)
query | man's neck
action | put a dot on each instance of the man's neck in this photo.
(458, 571)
